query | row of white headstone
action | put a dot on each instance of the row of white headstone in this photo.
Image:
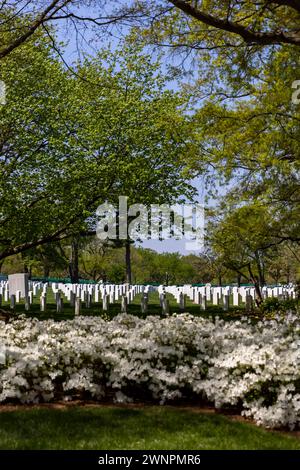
(75, 294)
(86, 294)
(78, 294)
(222, 295)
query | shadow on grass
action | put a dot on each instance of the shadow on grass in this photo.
(131, 428)
(134, 308)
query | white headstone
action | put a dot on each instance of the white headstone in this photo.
(18, 282)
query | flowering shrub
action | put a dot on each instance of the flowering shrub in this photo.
(253, 367)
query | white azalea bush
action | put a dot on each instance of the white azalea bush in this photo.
(255, 368)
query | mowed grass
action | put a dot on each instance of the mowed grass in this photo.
(113, 428)
(134, 308)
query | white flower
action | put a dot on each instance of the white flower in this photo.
(235, 363)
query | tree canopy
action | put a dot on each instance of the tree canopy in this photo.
(197, 23)
(108, 125)
(68, 144)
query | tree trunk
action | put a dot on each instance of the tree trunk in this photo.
(128, 262)
(239, 277)
(260, 269)
(46, 271)
(288, 276)
(74, 262)
(255, 281)
(220, 279)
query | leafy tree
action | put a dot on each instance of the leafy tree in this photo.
(264, 23)
(253, 148)
(96, 260)
(35, 150)
(198, 24)
(151, 136)
(64, 140)
(242, 238)
(49, 256)
(282, 264)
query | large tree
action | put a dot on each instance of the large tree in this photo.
(247, 57)
(198, 24)
(43, 170)
(69, 144)
(252, 146)
(242, 239)
(151, 136)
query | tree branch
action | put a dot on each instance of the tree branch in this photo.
(295, 4)
(50, 10)
(250, 37)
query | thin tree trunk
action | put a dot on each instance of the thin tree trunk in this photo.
(254, 280)
(74, 262)
(288, 276)
(260, 269)
(46, 271)
(128, 261)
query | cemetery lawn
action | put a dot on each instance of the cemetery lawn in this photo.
(134, 308)
(126, 428)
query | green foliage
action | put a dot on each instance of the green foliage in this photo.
(68, 144)
(252, 143)
(171, 268)
(97, 261)
(270, 305)
(241, 238)
(118, 130)
(274, 305)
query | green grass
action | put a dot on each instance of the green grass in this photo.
(112, 428)
(134, 308)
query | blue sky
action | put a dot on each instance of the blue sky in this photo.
(71, 55)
